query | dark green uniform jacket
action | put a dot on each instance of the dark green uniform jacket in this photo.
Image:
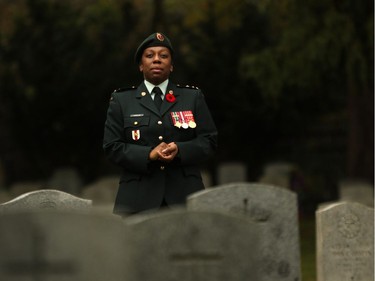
(134, 126)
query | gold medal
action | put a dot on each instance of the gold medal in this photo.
(178, 124)
(192, 124)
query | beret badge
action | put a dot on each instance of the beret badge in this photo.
(160, 36)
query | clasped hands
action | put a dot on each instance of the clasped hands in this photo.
(165, 152)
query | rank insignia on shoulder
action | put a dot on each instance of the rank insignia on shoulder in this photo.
(124, 89)
(187, 86)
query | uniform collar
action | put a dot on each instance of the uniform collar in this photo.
(162, 86)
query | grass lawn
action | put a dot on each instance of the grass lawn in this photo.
(308, 249)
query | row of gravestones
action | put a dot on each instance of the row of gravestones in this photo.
(103, 191)
(239, 231)
(227, 172)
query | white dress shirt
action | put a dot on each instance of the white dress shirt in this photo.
(162, 86)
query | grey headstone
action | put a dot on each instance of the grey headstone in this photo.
(229, 172)
(274, 210)
(46, 199)
(61, 246)
(102, 191)
(326, 204)
(359, 191)
(66, 179)
(345, 242)
(192, 246)
(206, 177)
(278, 174)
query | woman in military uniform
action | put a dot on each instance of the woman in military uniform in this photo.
(159, 133)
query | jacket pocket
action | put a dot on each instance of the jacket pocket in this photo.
(136, 128)
(135, 122)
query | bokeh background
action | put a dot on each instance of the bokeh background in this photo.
(286, 80)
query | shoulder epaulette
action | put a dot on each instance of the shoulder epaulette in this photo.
(187, 86)
(124, 89)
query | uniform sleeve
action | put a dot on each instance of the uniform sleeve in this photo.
(129, 156)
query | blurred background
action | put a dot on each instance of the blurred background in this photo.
(287, 81)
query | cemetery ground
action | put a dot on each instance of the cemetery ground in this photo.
(308, 248)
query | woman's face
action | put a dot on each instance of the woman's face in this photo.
(156, 64)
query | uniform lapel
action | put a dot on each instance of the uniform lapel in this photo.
(166, 105)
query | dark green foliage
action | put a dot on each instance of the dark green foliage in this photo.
(283, 79)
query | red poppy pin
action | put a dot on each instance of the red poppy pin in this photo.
(170, 97)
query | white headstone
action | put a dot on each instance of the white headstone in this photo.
(345, 242)
(278, 174)
(102, 193)
(274, 210)
(206, 177)
(66, 179)
(229, 172)
(61, 246)
(192, 246)
(47, 199)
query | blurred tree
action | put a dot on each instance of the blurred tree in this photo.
(58, 62)
(323, 51)
(276, 71)
(211, 36)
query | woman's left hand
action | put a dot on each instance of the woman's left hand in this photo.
(168, 153)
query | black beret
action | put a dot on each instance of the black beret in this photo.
(155, 39)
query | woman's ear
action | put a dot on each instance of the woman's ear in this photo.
(171, 68)
(140, 67)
